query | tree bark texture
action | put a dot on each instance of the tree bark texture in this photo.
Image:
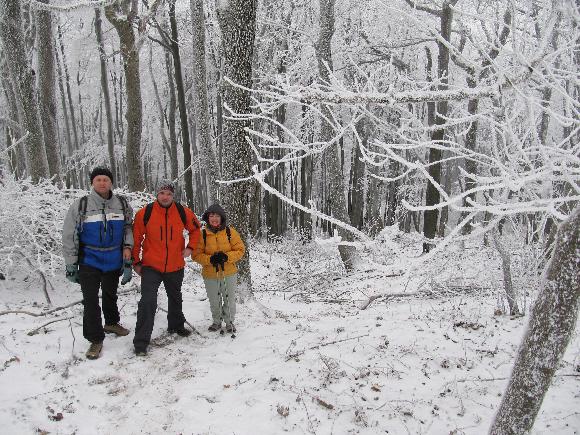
(336, 188)
(188, 176)
(23, 86)
(106, 96)
(201, 100)
(171, 118)
(73, 122)
(432, 196)
(507, 274)
(552, 323)
(46, 85)
(238, 26)
(134, 114)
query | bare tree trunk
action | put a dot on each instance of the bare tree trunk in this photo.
(164, 141)
(134, 114)
(106, 96)
(46, 82)
(68, 90)
(336, 188)
(238, 25)
(188, 176)
(356, 192)
(16, 156)
(12, 37)
(305, 219)
(507, 275)
(432, 195)
(201, 100)
(63, 104)
(171, 118)
(552, 323)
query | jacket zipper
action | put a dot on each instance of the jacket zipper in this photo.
(166, 241)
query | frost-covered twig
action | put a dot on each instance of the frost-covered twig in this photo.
(294, 355)
(36, 330)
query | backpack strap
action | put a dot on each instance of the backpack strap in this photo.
(178, 205)
(148, 210)
(83, 208)
(181, 211)
(228, 233)
(124, 205)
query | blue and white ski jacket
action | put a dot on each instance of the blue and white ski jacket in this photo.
(97, 239)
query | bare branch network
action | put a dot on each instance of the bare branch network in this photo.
(516, 173)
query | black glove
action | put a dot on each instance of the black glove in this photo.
(222, 257)
(214, 260)
(72, 273)
(218, 260)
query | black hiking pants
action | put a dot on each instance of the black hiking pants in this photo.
(90, 280)
(151, 279)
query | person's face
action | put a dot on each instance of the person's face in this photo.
(165, 197)
(102, 185)
(215, 220)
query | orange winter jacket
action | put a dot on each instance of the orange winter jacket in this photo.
(215, 242)
(162, 239)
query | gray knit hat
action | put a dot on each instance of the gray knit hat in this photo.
(165, 184)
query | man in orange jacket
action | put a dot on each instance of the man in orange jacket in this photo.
(158, 233)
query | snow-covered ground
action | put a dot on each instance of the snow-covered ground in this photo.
(314, 362)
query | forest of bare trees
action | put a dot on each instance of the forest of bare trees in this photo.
(450, 119)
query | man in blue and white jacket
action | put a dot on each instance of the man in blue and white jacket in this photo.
(97, 239)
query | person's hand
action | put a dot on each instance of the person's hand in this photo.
(137, 268)
(127, 254)
(223, 257)
(72, 273)
(127, 272)
(187, 252)
(214, 260)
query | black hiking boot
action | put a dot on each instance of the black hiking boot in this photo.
(182, 332)
(141, 351)
(231, 328)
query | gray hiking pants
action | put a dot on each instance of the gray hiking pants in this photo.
(221, 293)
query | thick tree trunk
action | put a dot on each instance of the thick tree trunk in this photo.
(46, 82)
(201, 100)
(238, 25)
(432, 195)
(16, 156)
(23, 85)
(552, 323)
(134, 112)
(106, 96)
(336, 188)
(188, 176)
(171, 117)
(356, 192)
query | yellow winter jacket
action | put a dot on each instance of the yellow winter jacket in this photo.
(215, 242)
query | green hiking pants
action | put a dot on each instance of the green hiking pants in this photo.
(221, 293)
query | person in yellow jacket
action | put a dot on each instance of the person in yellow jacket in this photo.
(218, 251)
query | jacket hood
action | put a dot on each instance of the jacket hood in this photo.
(215, 208)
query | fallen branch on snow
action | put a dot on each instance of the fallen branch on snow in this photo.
(370, 300)
(294, 355)
(35, 331)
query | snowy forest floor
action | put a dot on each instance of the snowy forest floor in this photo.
(433, 363)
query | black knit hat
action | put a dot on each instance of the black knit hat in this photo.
(99, 170)
(214, 208)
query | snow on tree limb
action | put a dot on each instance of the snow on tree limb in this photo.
(67, 6)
